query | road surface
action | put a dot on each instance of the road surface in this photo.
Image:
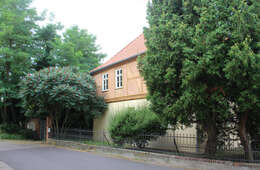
(41, 157)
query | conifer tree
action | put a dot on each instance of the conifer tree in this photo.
(202, 64)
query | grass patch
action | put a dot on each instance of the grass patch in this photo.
(11, 136)
(97, 143)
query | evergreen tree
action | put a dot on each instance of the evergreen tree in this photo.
(242, 65)
(197, 50)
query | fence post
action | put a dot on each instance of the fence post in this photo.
(47, 129)
(197, 142)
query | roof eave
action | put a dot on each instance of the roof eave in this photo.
(115, 63)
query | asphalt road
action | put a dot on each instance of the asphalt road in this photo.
(40, 157)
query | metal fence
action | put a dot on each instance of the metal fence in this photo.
(169, 143)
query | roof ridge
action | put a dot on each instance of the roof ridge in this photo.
(134, 47)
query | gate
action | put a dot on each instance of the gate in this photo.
(42, 129)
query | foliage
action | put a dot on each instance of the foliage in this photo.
(13, 131)
(128, 125)
(18, 22)
(28, 134)
(205, 62)
(11, 136)
(78, 49)
(61, 94)
(9, 128)
(46, 38)
(97, 143)
(242, 64)
(75, 48)
(25, 46)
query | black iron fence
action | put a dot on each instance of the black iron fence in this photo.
(169, 143)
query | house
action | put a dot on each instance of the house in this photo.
(119, 81)
(121, 84)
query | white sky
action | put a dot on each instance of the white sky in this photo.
(114, 22)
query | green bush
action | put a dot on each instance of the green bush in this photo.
(9, 128)
(135, 126)
(13, 131)
(11, 136)
(28, 134)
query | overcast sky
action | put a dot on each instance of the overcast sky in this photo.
(114, 22)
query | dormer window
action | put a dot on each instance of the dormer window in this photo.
(119, 78)
(105, 82)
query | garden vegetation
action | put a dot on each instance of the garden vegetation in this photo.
(135, 125)
(202, 66)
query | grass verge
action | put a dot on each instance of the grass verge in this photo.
(97, 143)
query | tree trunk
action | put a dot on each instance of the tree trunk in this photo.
(55, 125)
(244, 137)
(211, 129)
(4, 114)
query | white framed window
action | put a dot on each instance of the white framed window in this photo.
(119, 78)
(105, 82)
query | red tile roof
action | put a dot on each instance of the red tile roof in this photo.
(134, 48)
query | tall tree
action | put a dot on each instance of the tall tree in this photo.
(78, 48)
(198, 50)
(18, 22)
(242, 65)
(46, 39)
(170, 43)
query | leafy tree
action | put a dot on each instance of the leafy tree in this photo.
(61, 94)
(205, 58)
(46, 39)
(18, 22)
(26, 47)
(78, 49)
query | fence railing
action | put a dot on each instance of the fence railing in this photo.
(177, 144)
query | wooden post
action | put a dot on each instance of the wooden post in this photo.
(47, 129)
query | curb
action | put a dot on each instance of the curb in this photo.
(161, 159)
(4, 166)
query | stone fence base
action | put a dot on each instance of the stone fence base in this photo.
(160, 159)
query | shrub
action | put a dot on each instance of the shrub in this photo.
(135, 125)
(9, 128)
(11, 136)
(13, 131)
(28, 134)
